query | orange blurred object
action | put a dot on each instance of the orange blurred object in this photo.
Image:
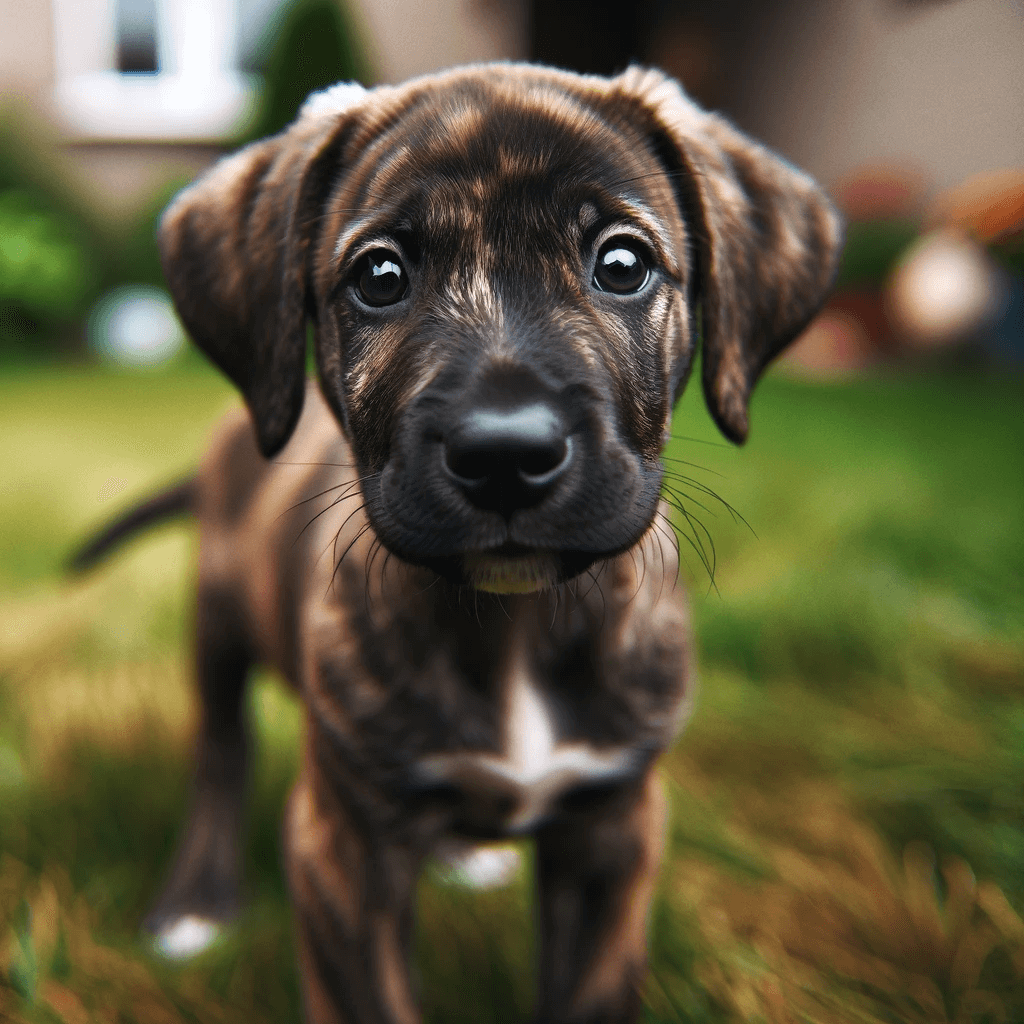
(881, 192)
(849, 334)
(988, 206)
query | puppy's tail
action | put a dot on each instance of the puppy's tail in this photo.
(177, 500)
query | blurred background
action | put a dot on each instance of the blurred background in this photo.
(847, 839)
(911, 112)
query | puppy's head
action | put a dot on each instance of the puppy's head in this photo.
(504, 266)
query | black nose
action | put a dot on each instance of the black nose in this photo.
(507, 459)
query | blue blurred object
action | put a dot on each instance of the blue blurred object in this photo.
(1005, 339)
(135, 325)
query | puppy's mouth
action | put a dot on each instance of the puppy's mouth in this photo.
(509, 568)
(511, 571)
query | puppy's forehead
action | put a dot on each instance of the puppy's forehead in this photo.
(503, 151)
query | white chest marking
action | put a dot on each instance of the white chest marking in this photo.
(533, 767)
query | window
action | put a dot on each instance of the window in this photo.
(150, 69)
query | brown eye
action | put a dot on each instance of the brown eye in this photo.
(380, 278)
(620, 267)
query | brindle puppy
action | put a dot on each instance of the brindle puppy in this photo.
(453, 548)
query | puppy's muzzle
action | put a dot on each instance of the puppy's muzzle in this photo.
(506, 459)
(511, 478)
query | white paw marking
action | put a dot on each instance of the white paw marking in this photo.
(479, 867)
(186, 937)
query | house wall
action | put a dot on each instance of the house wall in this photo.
(832, 84)
(412, 37)
(934, 86)
(26, 47)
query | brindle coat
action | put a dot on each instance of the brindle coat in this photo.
(357, 560)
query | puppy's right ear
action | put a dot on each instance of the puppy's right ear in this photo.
(236, 246)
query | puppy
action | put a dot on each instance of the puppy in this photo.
(453, 547)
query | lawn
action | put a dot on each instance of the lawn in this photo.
(847, 833)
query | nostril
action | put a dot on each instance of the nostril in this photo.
(542, 463)
(470, 465)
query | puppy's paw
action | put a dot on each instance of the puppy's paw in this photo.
(477, 867)
(198, 903)
(186, 936)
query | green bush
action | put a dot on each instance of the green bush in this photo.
(311, 48)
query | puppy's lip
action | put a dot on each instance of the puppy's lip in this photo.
(508, 570)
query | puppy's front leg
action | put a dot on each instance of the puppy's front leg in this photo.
(202, 891)
(596, 878)
(353, 909)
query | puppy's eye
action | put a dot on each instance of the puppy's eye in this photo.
(380, 278)
(620, 267)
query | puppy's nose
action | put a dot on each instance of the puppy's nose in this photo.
(507, 459)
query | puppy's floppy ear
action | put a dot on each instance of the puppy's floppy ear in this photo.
(765, 239)
(235, 248)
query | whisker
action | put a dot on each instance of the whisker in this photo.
(323, 465)
(319, 494)
(643, 573)
(687, 481)
(656, 532)
(432, 583)
(361, 532)
(632, 558)
(695, 465)
(384, 567)
(694, 540)
(595, 577)
(674, 536)
(700, 554)
(679, 497)
(334, 543)
(371, 554)
(700, 440)
(353, 492)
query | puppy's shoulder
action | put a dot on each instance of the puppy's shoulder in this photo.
(234, 477)
(230, 471)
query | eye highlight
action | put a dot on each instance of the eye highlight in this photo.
(621, 268)
(380, 279)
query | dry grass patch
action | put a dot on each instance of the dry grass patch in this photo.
(840, 930)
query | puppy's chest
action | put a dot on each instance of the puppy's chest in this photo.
(535, 764)
(497, 741)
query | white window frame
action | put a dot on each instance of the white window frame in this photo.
(197, 95)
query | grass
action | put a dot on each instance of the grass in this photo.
(847, 832)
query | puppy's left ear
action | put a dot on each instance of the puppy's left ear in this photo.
(766, 242)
